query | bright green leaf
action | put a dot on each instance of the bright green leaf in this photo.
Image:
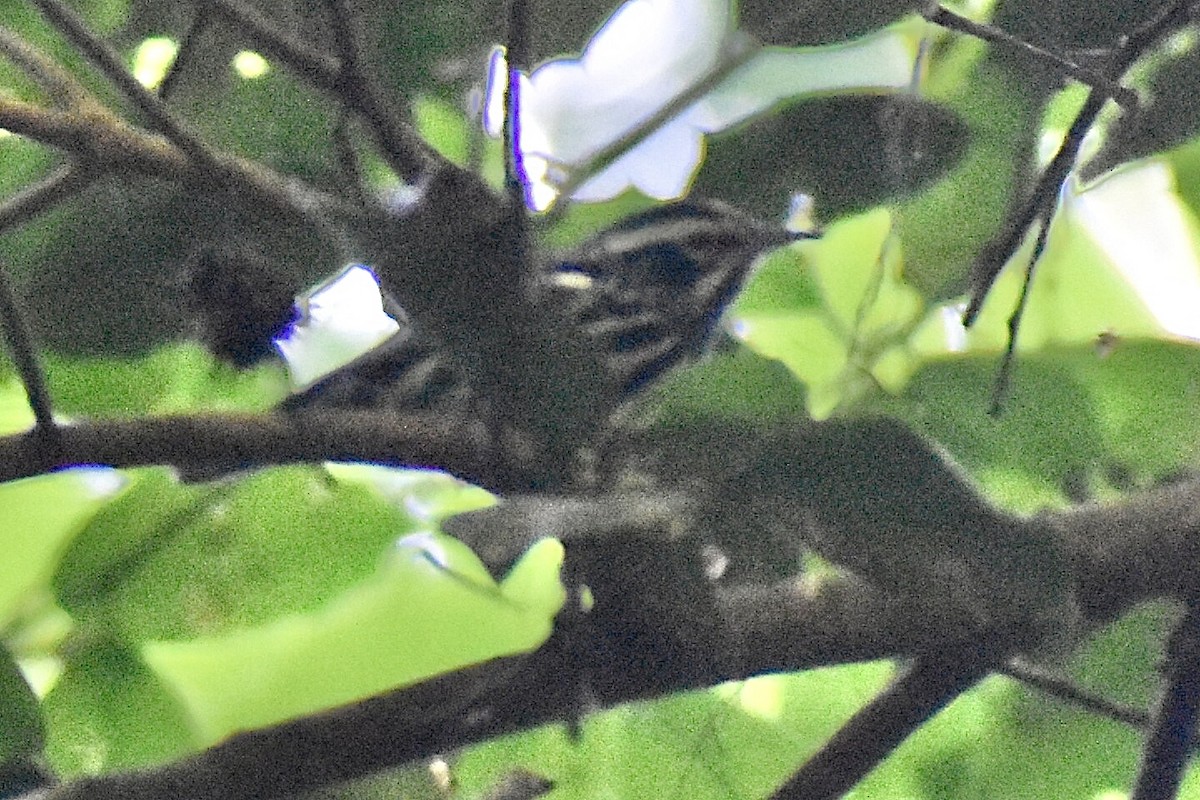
(414, 619)
(41, 516)
(172, 561)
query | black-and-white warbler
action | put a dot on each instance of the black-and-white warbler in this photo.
(645, 294)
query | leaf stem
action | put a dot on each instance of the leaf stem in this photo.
(20, 344)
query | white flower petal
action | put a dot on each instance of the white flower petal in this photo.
(649, 55)
(341, 319)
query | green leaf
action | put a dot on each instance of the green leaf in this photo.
(944, 228)
(107, 711)
(841, 347)
(174, 378)
(41, 516)
(444, 127)
(850, 152)
(1069, 413)
(21, 729)
(430, 609)
(169, 561)
(737, 740)
(738, 384)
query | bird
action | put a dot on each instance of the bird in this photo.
(646, 295)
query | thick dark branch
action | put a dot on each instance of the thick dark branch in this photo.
(516, 58)
(512, 694)
(1126, 553)
(1169, 744)
(104, 143)
(755, 629)
(231, 442)
(879, 728)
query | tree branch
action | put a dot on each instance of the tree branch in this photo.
(60, 86)
(510, 694)
(1040, 204)
(344, 77)
(1169, 745)
(31, 201)
(317, 68)
(231, 442)
(406, 152)
(188, 42)
(69, 23)
(1125, 553)
(757, 628)
(104, 143)
(874, 732)
(20, 344)
(1061, 688)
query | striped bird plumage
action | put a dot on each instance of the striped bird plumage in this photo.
(647, 292)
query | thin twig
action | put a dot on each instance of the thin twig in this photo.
(20, 344)
(1040, 203)
(349, 169)
(944, 17)
(406, 153)
(188, 45)
(1169, 744)
(1063, 689)
(110, 64)
(31, 201)
(1004, 374)
(516, 58)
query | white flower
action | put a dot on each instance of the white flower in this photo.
(340, 319)
(656, 78)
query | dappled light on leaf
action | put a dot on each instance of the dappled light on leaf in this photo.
(152, 59)
(1138, 222)
(737, 478)
(410, 620)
